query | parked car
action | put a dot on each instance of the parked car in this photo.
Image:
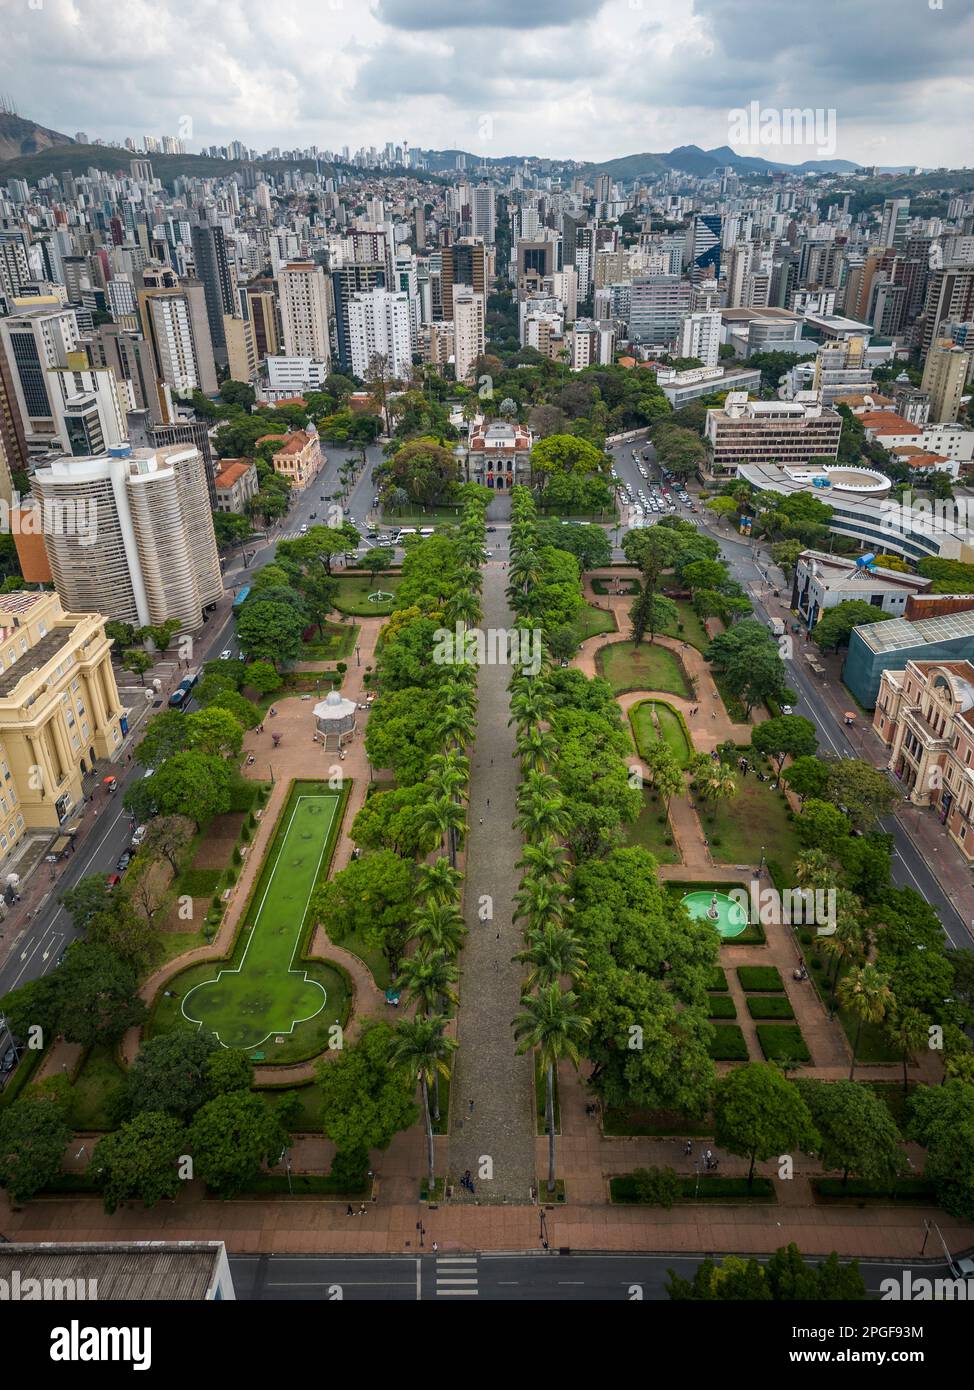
(226, 654)
(124, 860)
(112, 881)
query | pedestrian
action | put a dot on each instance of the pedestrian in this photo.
(481, 820)
(471, 1107)
(435, 1247)
(689, 1148)
(363, 1210)
(349, 1210)
(488, 803)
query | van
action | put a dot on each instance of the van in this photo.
(406, 531)
(427, 531)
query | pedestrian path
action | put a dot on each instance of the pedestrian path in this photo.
(492, 1119)
(456, 1276)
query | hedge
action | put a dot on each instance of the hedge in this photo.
(783, 1042)
(718, 980)
(765, 977)
(623, 1189)
(729, 1044)
(721, 1006)
(760, 1006)
(911, 1190)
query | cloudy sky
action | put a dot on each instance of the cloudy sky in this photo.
(584, 79)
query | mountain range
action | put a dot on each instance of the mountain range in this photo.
(19, 137)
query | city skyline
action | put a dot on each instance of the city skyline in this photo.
(589, 80)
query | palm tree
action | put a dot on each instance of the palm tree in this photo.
(536, 747)
(848, 945)
(529, 707)
(536, 784)
(539, 900)
(717, 782)
(552, 1026)
(543, 858)
(448, 772)
(865, 992)
(463, 607)
(446, 818)
(543, 815)
(439, 882)
(455, 725)
(813, 869)
(907, 1031)
(428, 978)
(552, 952)
(439, 926)
(421, 1049)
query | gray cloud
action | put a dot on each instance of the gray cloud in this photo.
(426, 15)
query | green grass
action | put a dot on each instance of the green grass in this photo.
(718, 980)
(740, 826)
(729, 1043)
(655, 719)
(372, 957)
(646, 667)
(353, 595)
(873, 1048)
(265, 991)
(769, 1006)
(656, 1124)
(693, 630)
(763, 977)
(428, 516)
(591, 621)
(310, 1119)
(783, 1042)
(335, 642)
(98, 1078)
(630, 587)
(647, 832)
(721, 1006)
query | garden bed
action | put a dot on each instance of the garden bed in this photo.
(783, 1042)
(646, 667)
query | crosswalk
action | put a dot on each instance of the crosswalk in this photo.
(456, 1276)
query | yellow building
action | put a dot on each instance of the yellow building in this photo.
(59, 710)
(298, 459)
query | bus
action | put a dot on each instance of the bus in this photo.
(241, 598)
(179, 697)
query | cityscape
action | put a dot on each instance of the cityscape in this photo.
(486, 662)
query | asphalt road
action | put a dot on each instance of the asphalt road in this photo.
(461, 1276)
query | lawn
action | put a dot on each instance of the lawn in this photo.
(99, 1077)
(650, 834)
(427, 516)
(874, 1047)
(353, 595)
(736, 712)
(655, 719)
(335, 642)
(729, 1043)
(265, 997)
(591, 621)
(372, 957)
(783, 1042)
(665, 1124)
(646, 667)
(688, 627)
(754, 819)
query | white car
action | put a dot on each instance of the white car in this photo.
(226, 655)
(787, 709)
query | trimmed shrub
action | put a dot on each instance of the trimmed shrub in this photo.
(721, 1006)
(729, 1044)
(783, 1042)
(760, 1006)
(764, 977)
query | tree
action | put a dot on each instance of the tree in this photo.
(665, 772)
(215, 732)
(164, 736)
(140, 1160)
(758, 1114)
(126, 926)
(861, 790)
(563, 454)
(230, 1137)
(364, 1102)
(789, 735)
(942, 1120)
(865, 992)
(33, 1137)
(86, 900)
(139, 661)
(168, 836)
(168, 1075)
(371, 898)
(552, 1026)
(420, 1050)
(856, 1131)
(192, 784)
(821, 826)
(651, 613)
(379, 559)
(98, 998)
(271, 630)
(806, 776)
(228, 1069)
(834, 627)
(230, 529)
(908, 1030)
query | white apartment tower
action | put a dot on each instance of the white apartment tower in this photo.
(469, 328)
(304, 310)
(379, 326)
(700, 337)
(147, 552)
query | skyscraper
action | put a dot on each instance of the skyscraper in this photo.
(304, 310)
(705, 246)
(213, 269)
(379, 328)
(944, 376)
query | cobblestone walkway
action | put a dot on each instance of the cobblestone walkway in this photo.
(492, 1096)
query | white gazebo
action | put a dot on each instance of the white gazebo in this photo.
(334, 715)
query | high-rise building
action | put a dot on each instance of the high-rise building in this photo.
(950, 295)
(469, 328)
(895, 228)
(261, 308)
(175, 322)
(304, 310)
(33, 343)
(213, 270)
(15, 269)
(945, 373)
(351, 279)
(379, 331)
(705, 245)
(12, 439)
(783, 432)
(463, 263)
(154, 554)
(483, 221)
(699, 336)
(657, 307)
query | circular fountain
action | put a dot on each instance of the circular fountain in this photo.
(728, 916)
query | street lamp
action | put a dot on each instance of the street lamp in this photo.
(761, 865)
(358, 661)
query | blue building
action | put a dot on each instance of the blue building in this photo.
(878, 647)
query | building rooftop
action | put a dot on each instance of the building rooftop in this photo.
(143, 1271)
(898, 633)
(739, 315)
(231, 470)
(33, 659)
(888, 422)
(841, 572)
